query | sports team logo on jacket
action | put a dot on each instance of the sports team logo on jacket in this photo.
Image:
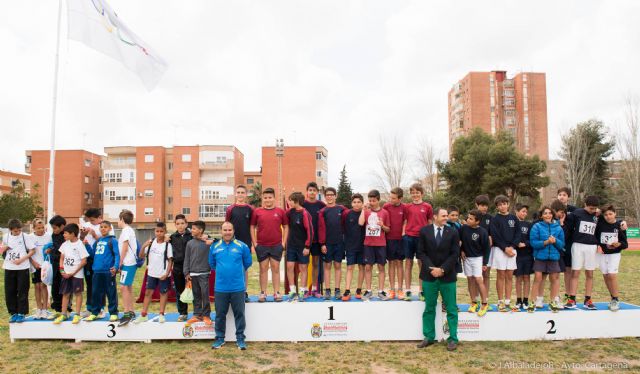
(512, 223)
(524, 229)
(475, 237)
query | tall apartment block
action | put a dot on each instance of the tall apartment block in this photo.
(76, 180)
(291, 168)
(493, 102)
(158, 183)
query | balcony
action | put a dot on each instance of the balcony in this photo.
(217, 182)
(507, 83)
(213, 165)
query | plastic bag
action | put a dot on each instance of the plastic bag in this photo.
(46, 273)
(187, 295)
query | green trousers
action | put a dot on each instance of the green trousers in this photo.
(448, 292)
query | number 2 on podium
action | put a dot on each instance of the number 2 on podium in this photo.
(552, 329)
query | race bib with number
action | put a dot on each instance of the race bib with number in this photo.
(373, 231)
(608, 237)
(123, 276)
(588, 228)
(373, 228)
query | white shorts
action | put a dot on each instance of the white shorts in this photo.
(473, 266)
(583, 256)
(501, 261)
(608, 263)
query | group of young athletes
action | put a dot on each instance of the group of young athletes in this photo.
(561, 239)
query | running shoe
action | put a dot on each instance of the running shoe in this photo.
(473, 308)
(302, 296)
(141, 319)
(76, 319)
(392, 294)
(91, 318)
(218, 343)
(614, 305)
(242, 345)
(192, 320)
(126, 318)
(531, 308)
(554, 306)
(346, 296)
(400, 295)
(483, 310)
(85, 314)
(571, 304)
(383, 296)
(102, 314)
(162, 318)
(502, 307)
(13, 318)
(336, 294)
(246, 297)
(327, 294)
(53, 316)
(113, 318)
(182, 318)
(292, 296)
(358, 293)
(407, 296)
(61, 318)
(590, 305)
(262, 298)
(513, 308)
(207, 320)
(277, 297)
(421, 296)
(20, 318)
(366, 296)
(519, 305)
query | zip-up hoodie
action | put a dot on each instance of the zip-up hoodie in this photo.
(105, 255)
(179, 245)
(541, 232)
(230, 261)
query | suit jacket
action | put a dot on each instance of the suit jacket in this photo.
(443, 256)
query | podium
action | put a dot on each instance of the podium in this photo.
(319, 320)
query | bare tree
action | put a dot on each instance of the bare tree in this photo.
(392, 156)
(579, 160)
(629, 149)
(426, 157)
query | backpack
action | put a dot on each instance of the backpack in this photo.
(166, 250)
(136, 254)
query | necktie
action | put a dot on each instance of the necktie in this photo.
(439, 236)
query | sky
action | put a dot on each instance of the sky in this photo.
(333, 73)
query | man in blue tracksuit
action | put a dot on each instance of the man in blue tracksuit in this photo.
(106, 258)
(229, 258)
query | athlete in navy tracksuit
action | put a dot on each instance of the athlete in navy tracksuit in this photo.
(331, 238)
(106, 258)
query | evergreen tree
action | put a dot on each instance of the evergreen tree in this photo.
(344, 189)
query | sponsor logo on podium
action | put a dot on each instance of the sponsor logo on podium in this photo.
(316, 330)
(199, 330)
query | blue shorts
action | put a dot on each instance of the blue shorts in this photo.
(335, 253)
(410, 244)
(153, 283)
(316, 250)
(295, 255)
(375, 255)
(395, 250)
(127, 275)
(355, 256)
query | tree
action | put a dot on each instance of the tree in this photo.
(344, 189)
(20, 204)
(426, 158)
(584, 150)
(256, 198)
(392, 156)
(629, 149)
(484, 164)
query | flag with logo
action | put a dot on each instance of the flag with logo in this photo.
(94, 23)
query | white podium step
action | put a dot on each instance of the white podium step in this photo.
(319, 320)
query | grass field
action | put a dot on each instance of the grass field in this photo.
(319, 357)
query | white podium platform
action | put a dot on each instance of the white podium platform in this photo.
(318, 320)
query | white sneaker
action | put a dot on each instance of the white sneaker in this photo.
(85, 314)
(37, 314)
(614, 305)
(539, 303)
(102, 314)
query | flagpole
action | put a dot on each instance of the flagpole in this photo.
(52, 152)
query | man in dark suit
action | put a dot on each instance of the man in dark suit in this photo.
(439, 248)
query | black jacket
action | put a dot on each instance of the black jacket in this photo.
(444, 256)
(178, 246)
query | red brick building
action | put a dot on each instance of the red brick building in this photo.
(493, 102)
(9, 179)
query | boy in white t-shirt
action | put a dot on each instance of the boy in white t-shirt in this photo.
(40, 239)
(17, 249)
(73, 258)
(128, 245)
(159, 263)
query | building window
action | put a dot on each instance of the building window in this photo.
(86, 179)
(186, 175)
(148, 193)
(113, 177)
(87, 196)
(28, 159)
(213, 210)
(170, 166)
(209, 195)
(221, 159)
(186, 192)
(169, 217)
(170, 200)
(148, 211)
(319, 173)
(186, 211)
(169, 182)
(148, 176)
(249, 180)
(148, 158)
(87, 163)
(186, 157)
(319, 156)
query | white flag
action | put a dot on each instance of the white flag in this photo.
(94, 23)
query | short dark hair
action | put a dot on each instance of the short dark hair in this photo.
(418, 187)
(105, 222)
(374, 194)
(520, 206)
(161, 225)
(126, 216)
(312, 184)
(72, 228)
(297, 197)
(14, 223)
(269, 191)
(180, 216)
(476, 214)
(558, 206)
(357, 196)
(57, 221)
(482, 200)
(200, 224)
(545, 207)
(500, 199)
(452, 208)
(398, 192)
(330, 189)
(608, 208)
(241, 186)
(592, 200)
(566, 190)
(437, 210)
(93, 213)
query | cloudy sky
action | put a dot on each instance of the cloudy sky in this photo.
(333, 73)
